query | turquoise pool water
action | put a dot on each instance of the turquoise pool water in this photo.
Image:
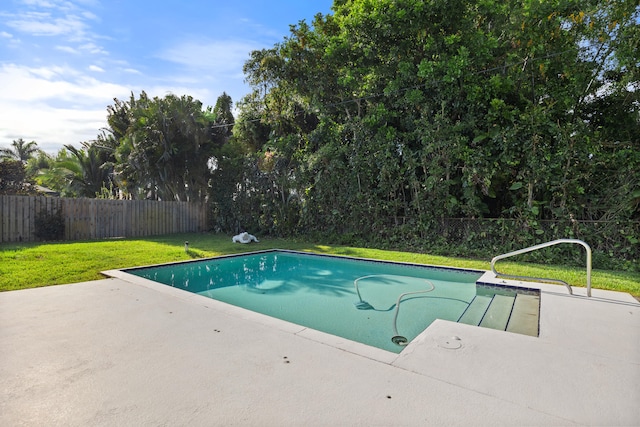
(318, 291)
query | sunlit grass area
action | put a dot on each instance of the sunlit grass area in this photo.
(31, 265)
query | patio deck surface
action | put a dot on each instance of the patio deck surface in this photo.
(116, 352)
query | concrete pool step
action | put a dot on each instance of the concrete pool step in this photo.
(513, 313)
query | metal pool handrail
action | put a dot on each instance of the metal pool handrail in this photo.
(540, 246)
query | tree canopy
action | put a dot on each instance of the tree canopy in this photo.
(163, 146)
(408, 112)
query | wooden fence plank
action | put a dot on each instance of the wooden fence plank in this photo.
(132, 220)
(166, 218)
(29, 220)
(68, 215)
(4, 218)
(37, 205)
(142, 217)
(91, 219)
(75, 220)
(138, 215)
(17, 231)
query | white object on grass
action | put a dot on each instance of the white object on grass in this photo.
(244, 238)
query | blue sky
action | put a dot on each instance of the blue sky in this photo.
(63, 61)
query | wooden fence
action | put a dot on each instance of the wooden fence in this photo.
(87, 219)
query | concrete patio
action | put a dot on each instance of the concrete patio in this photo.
(116, 352)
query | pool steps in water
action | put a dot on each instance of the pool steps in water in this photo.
(525, 316)
(476, 310)
(517, 313)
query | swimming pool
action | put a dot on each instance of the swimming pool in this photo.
(378, 303)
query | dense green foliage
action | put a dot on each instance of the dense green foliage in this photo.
(12, 177)
(389, 116)
(49, 226)
(15, 176)
(162, 147)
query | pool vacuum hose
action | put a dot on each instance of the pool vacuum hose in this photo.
(397, 338)
(363, 305)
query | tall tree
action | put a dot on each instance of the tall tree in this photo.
(90, 172)
(76, 172)
(21, 150)
(163, 147)
(221, 119)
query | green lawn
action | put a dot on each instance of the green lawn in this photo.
(29, 265)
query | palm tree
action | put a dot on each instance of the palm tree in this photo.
(21, 150)
(88, 170)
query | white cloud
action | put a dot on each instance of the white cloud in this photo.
(57, 19)
(206, 68)
(54, 83)
(53, 105)
(93, 49)
(62, 98)
(88, 3)
(39, 3)
(212, 56)
(51, 127)
(67, 49)
(43, 24)
(58, 105)
(90, 16)
(9, 40)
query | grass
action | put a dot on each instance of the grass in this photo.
(29, 265)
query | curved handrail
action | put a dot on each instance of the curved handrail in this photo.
(540, 246)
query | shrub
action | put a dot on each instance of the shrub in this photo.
(49, 226)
